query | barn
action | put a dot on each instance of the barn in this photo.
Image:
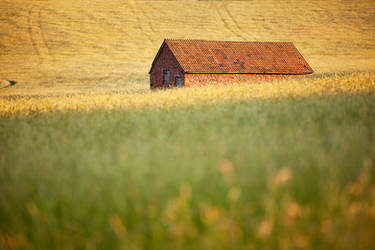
(197, 62)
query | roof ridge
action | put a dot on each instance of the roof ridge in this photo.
(212, 56)
(231, 41)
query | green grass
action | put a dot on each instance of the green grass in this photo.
(279, 174)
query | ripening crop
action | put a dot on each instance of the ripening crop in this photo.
(302, 87)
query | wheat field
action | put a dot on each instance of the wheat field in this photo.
(354, 83)
(91, 158)
(109, 45)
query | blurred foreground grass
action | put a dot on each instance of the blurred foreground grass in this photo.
(287, 173)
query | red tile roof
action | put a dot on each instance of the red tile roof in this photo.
(198, 56)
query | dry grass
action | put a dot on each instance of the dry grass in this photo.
(78, 46)
(49, 102)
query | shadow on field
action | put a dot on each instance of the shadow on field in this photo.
(11, 83)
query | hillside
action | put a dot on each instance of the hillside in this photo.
(91, 158)
(110, 44)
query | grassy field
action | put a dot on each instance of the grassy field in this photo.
(54, 100)
(289, 173)
(90, 158)
(110, 44)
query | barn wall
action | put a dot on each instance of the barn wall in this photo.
(165, 60)
(206, 79)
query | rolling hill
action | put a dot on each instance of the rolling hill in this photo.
(111, 44)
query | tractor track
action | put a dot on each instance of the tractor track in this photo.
(43, 36)
(37, 35)
(234, 21)
(142, 28)
(228, 20)
(149, 23)
(31, 34)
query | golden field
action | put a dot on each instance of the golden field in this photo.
(91, 158)
(355, 83)
(70, 47)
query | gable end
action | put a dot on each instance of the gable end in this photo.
(165, 43)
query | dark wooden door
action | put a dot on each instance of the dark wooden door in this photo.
(166, 77)
(179, 81)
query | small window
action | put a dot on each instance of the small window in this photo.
(166, 78)
(179, 81)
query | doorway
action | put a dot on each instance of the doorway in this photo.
(179, 81)
(166, 77)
